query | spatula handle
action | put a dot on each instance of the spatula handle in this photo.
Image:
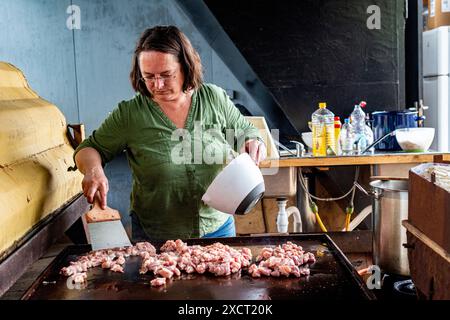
(97, 214)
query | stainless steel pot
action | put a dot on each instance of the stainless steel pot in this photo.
(390, 207)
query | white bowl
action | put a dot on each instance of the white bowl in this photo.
(308, 139)
(237, 188)
(415, 139)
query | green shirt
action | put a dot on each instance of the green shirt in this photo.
(166, 195)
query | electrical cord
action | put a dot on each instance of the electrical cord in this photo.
(352, 189)
(355, 182)
(313, 205)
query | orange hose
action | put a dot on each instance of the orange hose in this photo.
(347, 221)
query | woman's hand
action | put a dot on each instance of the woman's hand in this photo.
(89, 163)
(256, 149)
(95, 180)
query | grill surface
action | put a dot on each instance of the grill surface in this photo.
(332, 277)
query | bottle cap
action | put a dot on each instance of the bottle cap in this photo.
(347, 120)
(362, 104)
(337, 122)
(322, 105)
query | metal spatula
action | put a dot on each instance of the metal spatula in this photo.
(105, 228)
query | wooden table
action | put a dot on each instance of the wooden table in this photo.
(371, 159)
(281, 179)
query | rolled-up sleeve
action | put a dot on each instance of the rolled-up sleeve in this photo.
(110, 138)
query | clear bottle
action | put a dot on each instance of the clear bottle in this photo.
(369, 131)
(323, 131)
(358, 121)
(346, 138)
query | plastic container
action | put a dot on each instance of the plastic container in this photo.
(307, 138)
(323, 131)
(415, 139)
(358, 121)
(237, 188)
(346, 138)
(369, 131)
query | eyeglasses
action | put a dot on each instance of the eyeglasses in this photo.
(165, 79)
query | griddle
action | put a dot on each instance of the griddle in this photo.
(332, 277)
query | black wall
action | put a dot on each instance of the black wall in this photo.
(309, 51)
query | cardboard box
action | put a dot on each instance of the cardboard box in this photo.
(438, 13)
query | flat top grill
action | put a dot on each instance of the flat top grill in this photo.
(332, 277)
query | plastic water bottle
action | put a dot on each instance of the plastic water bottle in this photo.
(346, 138)
(369, 131)
(358, 121)
(323, 131)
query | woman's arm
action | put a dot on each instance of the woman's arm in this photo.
(252, 141)
(98, 149)
(89, 162)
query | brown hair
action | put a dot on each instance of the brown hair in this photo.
(167, 39)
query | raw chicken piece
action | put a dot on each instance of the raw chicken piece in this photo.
(120, 260)
(117, 268)
(283, 260)
(106, 264)
(145, 246)
(80, 277)
(218, 259)
(166, 273)
(157, 282)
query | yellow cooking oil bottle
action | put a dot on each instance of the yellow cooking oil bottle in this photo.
(323, 131)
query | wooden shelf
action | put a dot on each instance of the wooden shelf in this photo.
(392, 158)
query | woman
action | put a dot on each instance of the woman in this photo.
(159, 129)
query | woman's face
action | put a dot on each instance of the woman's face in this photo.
(162, 75)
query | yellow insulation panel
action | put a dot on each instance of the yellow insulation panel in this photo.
(12, 77)
(34, 157)
(32, 189)
(31, 126)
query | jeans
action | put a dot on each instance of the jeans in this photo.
(138, 234)
(226, 230)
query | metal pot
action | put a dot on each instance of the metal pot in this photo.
(390, 207)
